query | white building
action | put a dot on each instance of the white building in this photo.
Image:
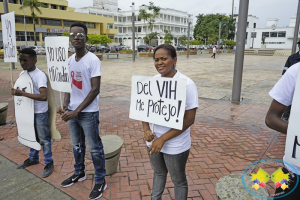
(169, 19)
(275, 37)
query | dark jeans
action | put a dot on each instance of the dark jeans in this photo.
(86, 125)
(175, 164)
(42, 128)
(214, 55)
(292, 182)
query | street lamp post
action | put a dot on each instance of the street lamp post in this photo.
(188, 41)
(24, 23)
(133, 34)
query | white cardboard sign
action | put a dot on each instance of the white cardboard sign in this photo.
(24, 112)
(57, 62)
(158, 100)
(9, 37)
(292, 145)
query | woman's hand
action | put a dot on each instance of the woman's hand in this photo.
(148, 135)
(156, 146)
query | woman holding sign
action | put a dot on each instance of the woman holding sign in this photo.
(170, 148)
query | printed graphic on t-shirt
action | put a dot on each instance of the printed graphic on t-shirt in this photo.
(76, 79)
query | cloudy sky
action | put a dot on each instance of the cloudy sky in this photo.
(263, 9)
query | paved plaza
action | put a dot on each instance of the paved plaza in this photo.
(226, 137)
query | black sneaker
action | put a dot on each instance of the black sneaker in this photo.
(27, 163)
(48, 170)
(98, 190)
(73, 179)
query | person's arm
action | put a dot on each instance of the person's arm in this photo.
(188, 120)
(65, 104)
(39, 97)
(95, 90)
(273, 118)
(148, 135)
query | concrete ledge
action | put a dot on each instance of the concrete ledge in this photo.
(231, 187)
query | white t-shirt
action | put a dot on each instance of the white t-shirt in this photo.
(81, 72)
(39, 79)
(214, 50)
(182, 142)
(283, 92)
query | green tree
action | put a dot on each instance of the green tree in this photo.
(168, 37)
(33, 5)
(98, 39)
(65, 34)
(195, 42)
(149, 19)
(229, 42)
(207, 26)
(183, 39)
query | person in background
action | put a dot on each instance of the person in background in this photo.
(214, 52)
(170, 149)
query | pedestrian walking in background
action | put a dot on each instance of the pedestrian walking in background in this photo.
(214, 52)
(170, 148)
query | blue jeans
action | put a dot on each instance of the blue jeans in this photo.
(42, 129)
(175, 164)
(86, 125)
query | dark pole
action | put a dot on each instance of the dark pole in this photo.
(133, 34)
(219, 41)
(240, 48)
(296, 29)
(5, 5)
(188, 41)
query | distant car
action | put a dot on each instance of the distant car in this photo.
(143, 48)
(22, 47)
(101, 49)
(39, 50)
(71, 48)
(181, 48)
(92, 49)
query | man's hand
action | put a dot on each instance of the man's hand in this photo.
(156, 146)
(62, 111)
(69, 115)
(148, 135)
(16, 92)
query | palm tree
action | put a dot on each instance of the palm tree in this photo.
(33, 5)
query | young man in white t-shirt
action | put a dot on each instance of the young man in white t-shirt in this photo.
(282, 94)
(81, 110)
(28, 61)
(214, 52)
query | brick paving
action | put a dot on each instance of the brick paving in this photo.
(226, 138)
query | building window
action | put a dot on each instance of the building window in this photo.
(266, 34)
(46, 5)
(89, 25)
(50, 34)
(273, 34)
(68, 23)
(254, 25)
(111, 37)
(53, 6)
(20, 36)
(281, 33)
(12, 1)
(50, 22)
(110, 26)
(247, 24)
(19, 19)
(61, 7)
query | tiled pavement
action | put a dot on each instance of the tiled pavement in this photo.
(226, 138)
